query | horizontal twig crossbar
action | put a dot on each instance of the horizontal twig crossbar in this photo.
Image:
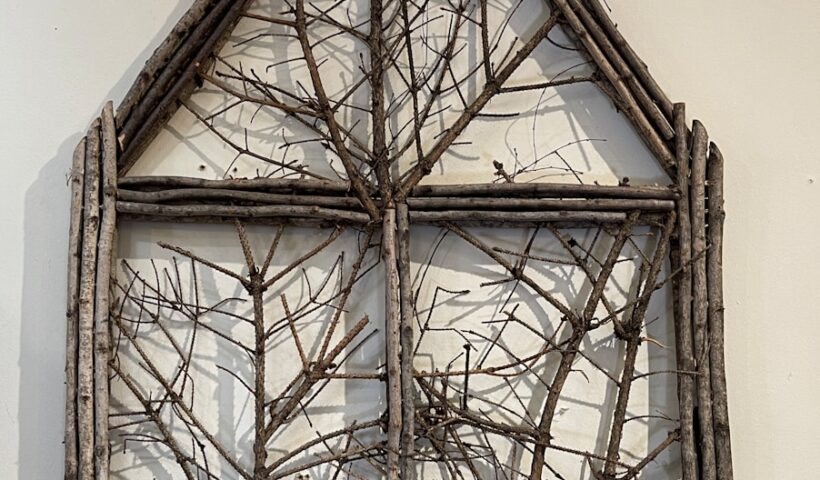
(320, 202)
(303, 185)
(256, 198)
(298, 215)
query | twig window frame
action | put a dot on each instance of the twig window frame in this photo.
(102, 196)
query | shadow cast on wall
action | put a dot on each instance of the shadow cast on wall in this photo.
(42, 309)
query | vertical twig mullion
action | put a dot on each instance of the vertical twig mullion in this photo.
(392, 340)
(406, 342)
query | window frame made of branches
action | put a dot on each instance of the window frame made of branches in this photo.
(689, 213)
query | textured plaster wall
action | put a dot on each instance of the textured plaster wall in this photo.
(749, 70)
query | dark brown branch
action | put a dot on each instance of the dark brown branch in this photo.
(354, 427)
(378, 113)
(299, 211)
(186, 414)
(355, 177)
(670, 439)
(183, 460)
(549, 84)
(580, 326)
(682, 291)
(240, 150)
(306, 380)
(714, 272)
(544, 190)
(516, 272)
(697, 194)
(632, 330)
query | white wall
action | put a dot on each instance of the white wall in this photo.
(748, 70)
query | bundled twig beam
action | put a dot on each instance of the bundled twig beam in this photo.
(540, 204)
(176, 196)
(161, 57)
(285, 214)
(632, 110)
(645, 103)
(209, 220)
(174, 65)
(513, 217)
(140, 130)
(278, 185)
(545, 190)
(637, 66)
(238, 211)
(330, 187)
(243, 197)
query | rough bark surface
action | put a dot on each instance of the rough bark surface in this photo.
(700, 301)
(75, 249)
(683, 322)
(88, 271)
(105, 260)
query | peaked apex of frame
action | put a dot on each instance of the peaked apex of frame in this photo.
(171, 75)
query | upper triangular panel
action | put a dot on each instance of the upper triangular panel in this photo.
(542, 109)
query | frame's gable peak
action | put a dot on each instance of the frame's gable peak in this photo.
(176, 67)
